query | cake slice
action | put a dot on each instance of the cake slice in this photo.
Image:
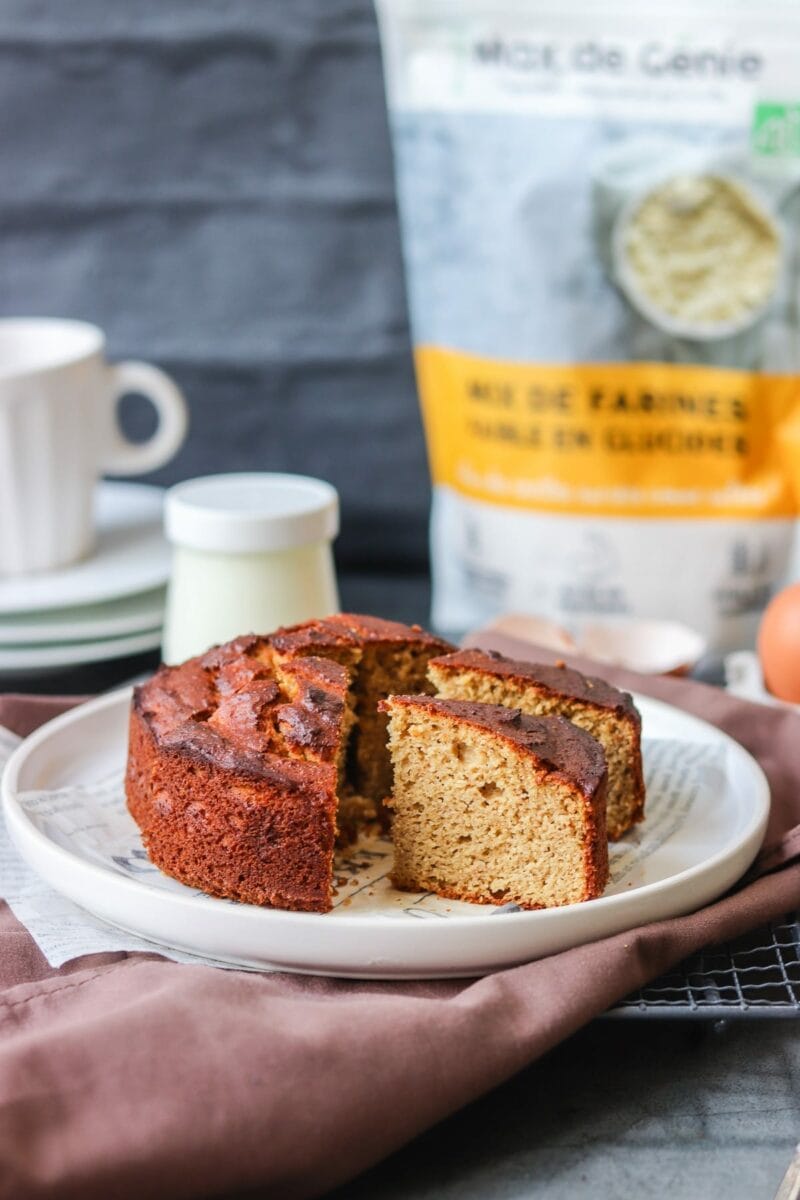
(492, 806)
(596, 706)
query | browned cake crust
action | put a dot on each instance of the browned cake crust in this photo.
(617, 720)
(558, 746)
(232, 773)
(560, 680)
(355, 630)
(558, 750)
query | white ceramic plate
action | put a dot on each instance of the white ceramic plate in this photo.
(708, 803)
(25, 659)
(131, 556)
(141, 613)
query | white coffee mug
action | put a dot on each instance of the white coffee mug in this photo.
(59, 432)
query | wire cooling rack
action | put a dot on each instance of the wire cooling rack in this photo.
(757, 975)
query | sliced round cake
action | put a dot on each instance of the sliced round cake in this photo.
(246, 764)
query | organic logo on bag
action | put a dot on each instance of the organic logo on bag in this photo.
(776, 130)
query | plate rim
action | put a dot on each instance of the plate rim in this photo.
(19, 822)
(145, 613)
(43, 657)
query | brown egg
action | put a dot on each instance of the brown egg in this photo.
(779, 644)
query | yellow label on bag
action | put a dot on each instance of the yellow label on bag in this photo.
(619, 439)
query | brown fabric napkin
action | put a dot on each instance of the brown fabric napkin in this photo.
(128, 1076)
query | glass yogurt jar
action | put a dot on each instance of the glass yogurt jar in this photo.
(250, 552)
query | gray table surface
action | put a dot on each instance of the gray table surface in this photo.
(637, 1109)
(644, 1110)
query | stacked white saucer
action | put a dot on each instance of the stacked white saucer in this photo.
(109, 605)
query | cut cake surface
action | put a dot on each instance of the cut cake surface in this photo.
(540, 689)
(384, 657)
(493, 806)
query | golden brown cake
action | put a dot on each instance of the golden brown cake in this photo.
(596, 706)
(493, 806)
(243, 762)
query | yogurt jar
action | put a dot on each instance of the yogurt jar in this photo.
(250, 552)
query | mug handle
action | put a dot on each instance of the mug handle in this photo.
(136, 458)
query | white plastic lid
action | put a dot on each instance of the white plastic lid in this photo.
(244, 513)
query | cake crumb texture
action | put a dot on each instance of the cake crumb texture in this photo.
(494, 807)
(602, 710)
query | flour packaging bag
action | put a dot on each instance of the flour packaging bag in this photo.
(600, 207)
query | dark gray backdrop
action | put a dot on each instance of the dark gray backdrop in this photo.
(212, 183)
